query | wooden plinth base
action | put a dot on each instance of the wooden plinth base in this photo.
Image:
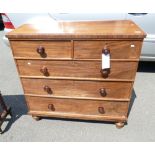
(119, 125)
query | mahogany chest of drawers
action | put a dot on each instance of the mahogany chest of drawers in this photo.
(78, 70)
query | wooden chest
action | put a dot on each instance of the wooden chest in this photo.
(61, 67)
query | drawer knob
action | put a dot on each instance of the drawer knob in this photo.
(44, 70)
(51, 107)
(41, 51)
(105, 72)
(48, 89)
(106, 50)
(103, 92)
(101, 110)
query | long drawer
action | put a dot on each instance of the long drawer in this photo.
(77, 69)
(73, 88)
(42, 49)
(118, 49)
(72, 106)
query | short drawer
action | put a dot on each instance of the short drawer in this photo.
(41, 49)
(72, 106)
(81, 89)
(118, 49)
(76, 69)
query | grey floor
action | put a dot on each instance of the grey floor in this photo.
(141, 121)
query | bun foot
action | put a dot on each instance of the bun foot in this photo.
(37, 118)
(119, 125)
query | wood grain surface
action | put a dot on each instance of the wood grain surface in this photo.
(84, 69)
(52, 49)
(79, 30)
(73, 88)
(86, 107)
(118, 49)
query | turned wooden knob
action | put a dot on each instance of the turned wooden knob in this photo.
(103, 92)
(51, 107)
(48, 89)
(105, 72)
(41, 51)
(44, 70)
(101, 110)
(106, 50)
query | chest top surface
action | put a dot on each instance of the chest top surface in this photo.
(116, 29)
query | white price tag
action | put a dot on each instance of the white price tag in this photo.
(105, 61)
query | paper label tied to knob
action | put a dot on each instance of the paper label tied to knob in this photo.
(105, 61)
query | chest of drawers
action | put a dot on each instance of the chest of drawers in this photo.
(60, 67)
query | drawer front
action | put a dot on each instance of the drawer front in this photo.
(73, 88)
(72, 106)
(42, 49)
(118, 49)
(76, 69)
